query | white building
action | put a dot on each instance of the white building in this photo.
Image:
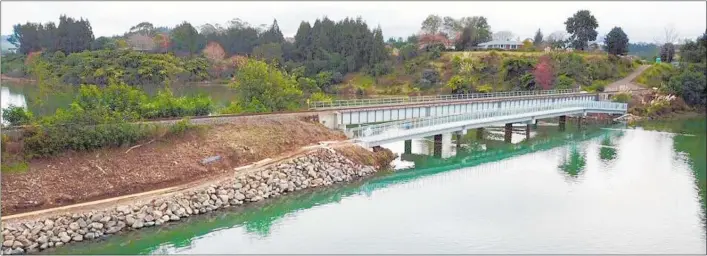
(497, 44)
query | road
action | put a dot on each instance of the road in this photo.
(627, 81)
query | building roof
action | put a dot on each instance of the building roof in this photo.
(500, 42)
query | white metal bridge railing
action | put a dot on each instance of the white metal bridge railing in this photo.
(376, 129)
(415, 99)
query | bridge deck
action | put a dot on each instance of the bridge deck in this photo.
(383, 133)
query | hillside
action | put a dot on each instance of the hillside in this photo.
(484, 71)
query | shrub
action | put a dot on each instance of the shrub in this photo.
(15, 115)
(564, 82)
(689, 85)
(623, 97)
(180, 127)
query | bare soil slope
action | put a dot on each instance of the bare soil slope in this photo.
(77, 177)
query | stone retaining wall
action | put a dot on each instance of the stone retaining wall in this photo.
(322, 167)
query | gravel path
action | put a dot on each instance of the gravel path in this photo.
(627, 82)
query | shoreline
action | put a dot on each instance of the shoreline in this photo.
(313, 166)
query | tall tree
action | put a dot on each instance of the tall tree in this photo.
(694, 51)
(667, 52)
(538, 40)
(616, 42)
(582, 28)
(303, 41)
(272, 35)
(74, 35)
(144, 28)
(476, 30)
(26, 37)
(185, 39)
(432, 24)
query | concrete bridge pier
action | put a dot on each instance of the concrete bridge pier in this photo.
(408, 146)
(527, 131)
(508, 133)
(458, 139)
(442, 145)
(562, 121)
(437, 149)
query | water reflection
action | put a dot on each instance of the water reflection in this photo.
(573, 163)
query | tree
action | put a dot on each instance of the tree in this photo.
(538, 40)
(450, 27)
(689, 85)
(694, 51)
(162, 43)
(214, 52)
(582, 28)
(557, 39)
(476, 30)
(543, 73)
(670, 35)
(209, 29)
(271, 52)
(503, 36)
(667, 51)
(264, 88)
(103, 42)
(185, 38)
(272, 35)
(141, 42)
(432, 24)
(527, 44)
(616, 42)
(74, 35)
(26, 38)
(144, 28)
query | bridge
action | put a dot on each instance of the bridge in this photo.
(389, 120)
(342, 113)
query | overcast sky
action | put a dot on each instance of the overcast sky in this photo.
(642, 21)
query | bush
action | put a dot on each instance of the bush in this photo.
(15, 115)
(689, 85)
(564, 82)
(621, 97)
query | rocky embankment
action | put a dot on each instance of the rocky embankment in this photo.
(322, 167)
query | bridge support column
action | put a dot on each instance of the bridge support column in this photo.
(479, 133)
(408, 146)
(437, 149)
(458, 138)
(508, 133)
(527, 131)
(562, 121)
(579, 122)
(535, 124)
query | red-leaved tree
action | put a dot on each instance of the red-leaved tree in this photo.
(543, 73)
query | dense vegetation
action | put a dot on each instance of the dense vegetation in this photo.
(688, 79)
(100, 117)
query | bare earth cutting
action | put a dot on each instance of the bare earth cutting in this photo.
(76, 177)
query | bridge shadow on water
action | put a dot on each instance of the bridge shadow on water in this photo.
(257, 219)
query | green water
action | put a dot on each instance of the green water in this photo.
(619, 190)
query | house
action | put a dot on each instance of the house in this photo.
(497, 44)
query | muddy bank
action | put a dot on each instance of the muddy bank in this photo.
(76, 177)
(319, 167)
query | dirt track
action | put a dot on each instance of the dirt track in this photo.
(627, 81)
